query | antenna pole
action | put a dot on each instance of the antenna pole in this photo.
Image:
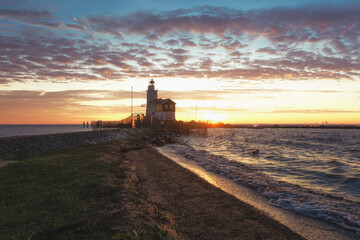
(131, 107)
(195, 112)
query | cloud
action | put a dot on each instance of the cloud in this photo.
(20, 101)
(179, 51)
(24, 14)
(308, 42)
(38, 18)
(308, 23)
(68, 95)
(55, 107)
(338, 26)
(107, 73)
(75, 27)
(315, 111)
(267, 50)
(152, 37)
(228, 94)
(235, 54)
(186, 42)
(207, 64)
(171, 42)
(31, 17)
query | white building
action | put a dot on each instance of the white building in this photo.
(161, 109)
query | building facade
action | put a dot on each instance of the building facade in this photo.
(152, 95)
(158, 108)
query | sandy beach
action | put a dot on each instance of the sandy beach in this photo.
(189, 207)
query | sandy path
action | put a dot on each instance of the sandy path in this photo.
(195, 209)
(4, 163)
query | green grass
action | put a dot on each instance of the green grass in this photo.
(152, 233)
(63, 195)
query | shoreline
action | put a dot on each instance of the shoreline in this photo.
(150, 195)
(307, 227)
(197, 209)
(160, 194)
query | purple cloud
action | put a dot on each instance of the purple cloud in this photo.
(186, 42)
(30, 17)
(174, 38)
(24, 14)
(309, 23)
(171, 42)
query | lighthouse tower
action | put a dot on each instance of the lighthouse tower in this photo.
(151, 96)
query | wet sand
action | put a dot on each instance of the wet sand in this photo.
(189, 207)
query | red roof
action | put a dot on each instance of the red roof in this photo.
(162, 101)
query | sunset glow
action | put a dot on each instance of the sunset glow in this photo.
(279, 62)
(213, 117)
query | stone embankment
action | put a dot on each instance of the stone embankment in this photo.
(159, 139)
(15, 148)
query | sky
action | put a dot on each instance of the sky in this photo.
(247, 62)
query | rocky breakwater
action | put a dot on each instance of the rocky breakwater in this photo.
(15, 148)
(159, 139)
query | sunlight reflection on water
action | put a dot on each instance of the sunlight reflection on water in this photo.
(308, 171)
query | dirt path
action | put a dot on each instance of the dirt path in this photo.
(4, 163)
(191, 208)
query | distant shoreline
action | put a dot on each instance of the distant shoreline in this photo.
(42, 130)
(258, 126)
(233, 125)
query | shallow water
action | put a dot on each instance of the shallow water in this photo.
(39, 129)
(314, 172)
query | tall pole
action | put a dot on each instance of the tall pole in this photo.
(132, 107)
(195, 112)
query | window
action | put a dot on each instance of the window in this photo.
(166, 106)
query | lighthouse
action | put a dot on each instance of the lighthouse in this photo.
(151, 97)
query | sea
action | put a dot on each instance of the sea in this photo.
(39, 129)
(311, 171)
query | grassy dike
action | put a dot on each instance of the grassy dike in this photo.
(120, 189)
(69, 194)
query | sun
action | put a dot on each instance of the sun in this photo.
(213, 117)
